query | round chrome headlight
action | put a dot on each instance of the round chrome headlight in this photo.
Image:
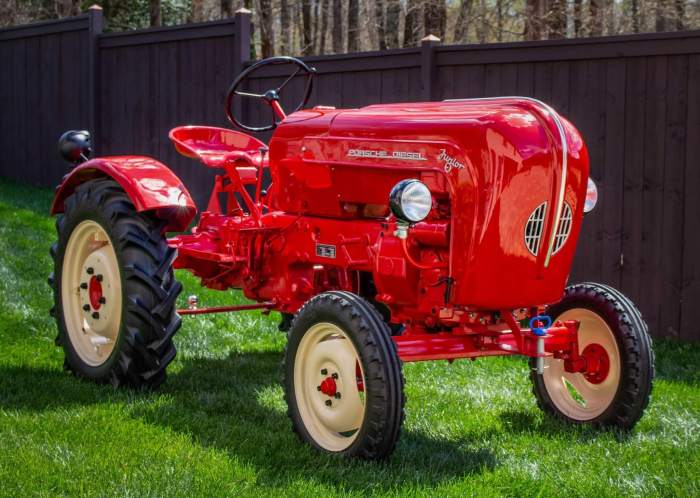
(591, 196)
(410, 200)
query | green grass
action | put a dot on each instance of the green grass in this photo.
(218, 425)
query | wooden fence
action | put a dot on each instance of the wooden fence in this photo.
(636, 99)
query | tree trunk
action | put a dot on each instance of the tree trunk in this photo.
(353, 32)
(155, 13)
(534, 19)
(380, 22)
(306, 42)
(393, 14)
(434, 18)
(680, 14)
(226, 8)
(410, 31)
(578, 11)
(267, 35)
(197, 10)
(499, 20)
(337, 26)
(595, 27)
(464, 19)
(482, 27)
(285, 34)
(67, 8)
(557, 19)
(324, 26)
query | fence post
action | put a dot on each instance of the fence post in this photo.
(427, 66)
(241, 28)
(95, 25)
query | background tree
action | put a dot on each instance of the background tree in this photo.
(353, 31)
(337, 26)
(411, 34)
(306, 27)
(392, 21)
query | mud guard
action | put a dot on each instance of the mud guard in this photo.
(150, 185)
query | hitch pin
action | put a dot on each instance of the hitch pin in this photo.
(539, 326)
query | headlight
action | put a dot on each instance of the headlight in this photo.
(410, 200)
(591, 196)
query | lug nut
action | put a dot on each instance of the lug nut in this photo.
(83, 285)
(337, 396)
(98, 277)
(329, 402)
(95, 315)
(102, 300)
(90, 270)
(86, 307)
(335, 375)
(324, 371)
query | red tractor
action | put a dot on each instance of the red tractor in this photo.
(388, 234)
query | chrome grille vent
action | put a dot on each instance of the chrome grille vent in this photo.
(533, 228)
(564, 228)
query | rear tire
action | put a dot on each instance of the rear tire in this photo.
(117, 328)
(343, 379)
(613, 329)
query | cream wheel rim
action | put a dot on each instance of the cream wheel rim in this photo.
(329, 386)
(572, 393)
(91, 293)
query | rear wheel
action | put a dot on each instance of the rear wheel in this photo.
(343, 380)
(114, 289)
(616, 386)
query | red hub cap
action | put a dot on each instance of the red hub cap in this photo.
(597, 363)
(328, 386)
(95, 292)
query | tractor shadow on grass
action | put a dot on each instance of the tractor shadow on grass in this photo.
(235, 405)
(522, 422)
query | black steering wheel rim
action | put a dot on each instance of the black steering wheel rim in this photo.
(269, 95)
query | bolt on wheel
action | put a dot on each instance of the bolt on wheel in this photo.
(91, 293)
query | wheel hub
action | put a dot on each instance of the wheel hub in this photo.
(597, 363)
(95, 292)
(328, 386)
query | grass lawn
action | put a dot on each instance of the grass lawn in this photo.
(218, 425)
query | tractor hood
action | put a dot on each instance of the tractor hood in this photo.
(514, 170)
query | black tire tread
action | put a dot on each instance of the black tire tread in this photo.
(149, 319)
(383, 369)
(634, 343)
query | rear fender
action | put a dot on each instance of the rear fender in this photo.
(150, 185)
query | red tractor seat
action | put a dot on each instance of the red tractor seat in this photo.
(219, 147)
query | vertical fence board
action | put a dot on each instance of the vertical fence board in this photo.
(690, 294)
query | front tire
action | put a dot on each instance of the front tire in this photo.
(114, 288)
(615, 339)
(343, 380)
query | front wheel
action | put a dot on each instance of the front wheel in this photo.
(343, 380)
(613, 338)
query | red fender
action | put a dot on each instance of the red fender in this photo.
(150, 185)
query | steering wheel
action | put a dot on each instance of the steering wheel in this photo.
(272, 96)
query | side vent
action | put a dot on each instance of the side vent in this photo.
(533, 229)
(564, 228)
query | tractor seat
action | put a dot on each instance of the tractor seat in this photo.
(219, 147)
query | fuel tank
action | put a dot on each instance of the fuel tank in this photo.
(508, 173)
